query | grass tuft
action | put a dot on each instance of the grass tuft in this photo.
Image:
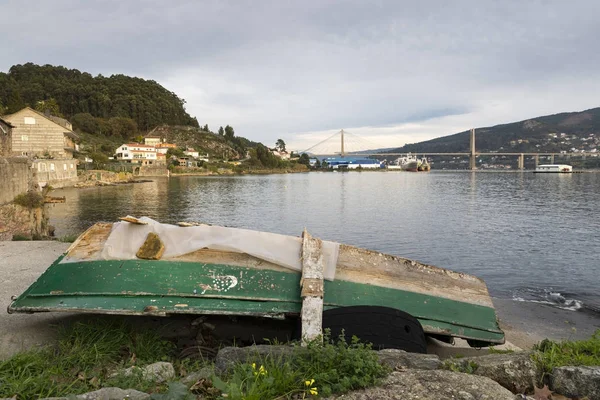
(86, 355)
(549, 354)
(321, 369)
(30, 200)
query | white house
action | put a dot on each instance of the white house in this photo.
(137, 153)
(191, 152)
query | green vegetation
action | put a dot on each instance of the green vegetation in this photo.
(467, 367)
(143, 102)
(89, 355)
(31, 199)
(86, 355)
(68, 238)
(323, 368)
(549, 354)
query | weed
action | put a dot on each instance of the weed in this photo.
(466, 366)
(322, 368)
(67, 238)
(30, 200)
(549, 354)
(83, 360)
(19, 238)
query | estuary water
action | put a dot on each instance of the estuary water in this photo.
(531, 237)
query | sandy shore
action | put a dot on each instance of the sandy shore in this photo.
(22, 263)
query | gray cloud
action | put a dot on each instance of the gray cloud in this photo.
(395, 71)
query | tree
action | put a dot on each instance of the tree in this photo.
(99, 159)
(49, 106)
(280, 145)
(304, 159)
(15, 102)
(221, 131)
(229, 133)
(124, 127)
(205, 128)
(175, 152)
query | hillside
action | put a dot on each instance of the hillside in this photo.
(570, 131)
(72, 93)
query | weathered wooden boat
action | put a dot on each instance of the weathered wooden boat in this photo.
(225, 271)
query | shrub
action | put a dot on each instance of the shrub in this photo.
(30, 200)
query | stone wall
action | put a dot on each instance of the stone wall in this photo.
(15, 177)
(152, 170)
(57, 173)
(23, 222)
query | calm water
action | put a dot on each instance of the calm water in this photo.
(530, 236)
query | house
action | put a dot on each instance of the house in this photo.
(41, 136)
(152, 139)
(162, 148)
(191, 152)
(186, 162)
(5, 137)
(137, 153)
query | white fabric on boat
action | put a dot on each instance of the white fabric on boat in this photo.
(126, 238)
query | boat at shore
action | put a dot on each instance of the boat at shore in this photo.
(142, 267)
(411, 163)
(554, 168)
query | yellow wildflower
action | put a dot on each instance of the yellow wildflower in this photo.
(309, 383)
(313, 391)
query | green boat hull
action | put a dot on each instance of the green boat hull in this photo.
(141, 287)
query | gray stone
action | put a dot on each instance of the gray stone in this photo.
(432, 385)
(158, 372)
(516, 371)
(193, 377)
(113, 393)
(400, 359)
(576, 381)
(228, 357)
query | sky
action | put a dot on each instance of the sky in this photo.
(391, 72)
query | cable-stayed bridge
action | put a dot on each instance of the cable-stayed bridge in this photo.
(344, 143)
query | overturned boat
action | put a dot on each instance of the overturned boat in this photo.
(143, 267)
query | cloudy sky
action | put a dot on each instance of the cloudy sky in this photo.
(390, 71)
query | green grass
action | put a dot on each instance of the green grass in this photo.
(464, 366)
(67, 238)
(549, 354)
(322, 368)
(84, 357)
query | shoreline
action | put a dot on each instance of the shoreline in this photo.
(524, 324)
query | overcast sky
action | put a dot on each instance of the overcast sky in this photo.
(391, 71)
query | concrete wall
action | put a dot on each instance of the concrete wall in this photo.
(55, 172)
(35, 135)
(15, 176)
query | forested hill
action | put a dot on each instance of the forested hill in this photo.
(70, 92)
(550, 133)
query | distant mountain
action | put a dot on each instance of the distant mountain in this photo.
(550, 133)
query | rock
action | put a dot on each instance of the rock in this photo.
(432, 385)
(158, 372)
(193, 377)
(576, 381)
(113, 393)
(516, 371)
(228, 357)
(152, 249)
(400, 359)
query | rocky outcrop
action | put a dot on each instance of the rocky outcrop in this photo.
(432, 385)
(577, 382)
(516, 371)
(400, 359)
(158, 372)
(103, 178)
(109, 393)
(18, 222)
